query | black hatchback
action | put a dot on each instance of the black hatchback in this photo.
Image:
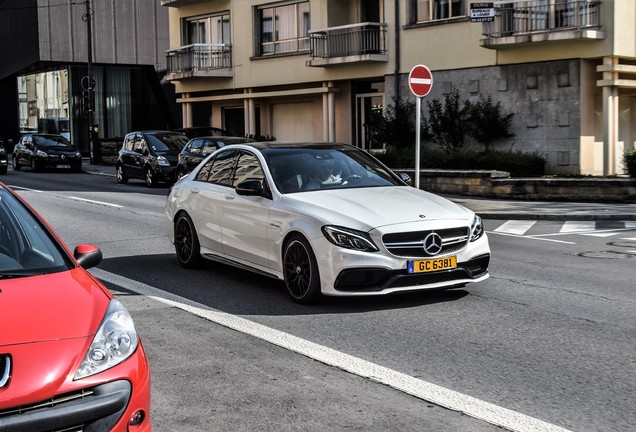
(41, 151)
(151, 156)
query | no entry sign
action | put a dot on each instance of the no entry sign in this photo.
(420, 80)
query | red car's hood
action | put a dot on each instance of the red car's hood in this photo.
(50, 307)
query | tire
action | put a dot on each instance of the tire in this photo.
(15, 163)
(300, 271)
(3, 170)
(150, 178)
(121, 177)
(35, 167)
(180, 173)
(186, 242)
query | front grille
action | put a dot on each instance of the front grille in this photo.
(373, 279)
(97, 408)
(411, 244)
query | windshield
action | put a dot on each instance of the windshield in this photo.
(26, 248)
(49, 141)
(163, 142)
(309, 169)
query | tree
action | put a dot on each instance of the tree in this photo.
(447, 123)
(395, 127)
(486, 123)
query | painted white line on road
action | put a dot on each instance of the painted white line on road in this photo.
(95, 202)
(518, 227)
(574, 226)
(531, 237)
(493, 414)
(19, 188)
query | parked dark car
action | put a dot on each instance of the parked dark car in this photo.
(202, 131)
(4, 163)
(41, 151)
(151, 156)
(198, 148)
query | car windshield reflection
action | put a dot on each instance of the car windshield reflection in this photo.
(310, 169)
(25, 247)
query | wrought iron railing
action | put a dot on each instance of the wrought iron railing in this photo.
(199, 57)
(353, 39)
(511, 21)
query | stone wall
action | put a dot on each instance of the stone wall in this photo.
(499, 184)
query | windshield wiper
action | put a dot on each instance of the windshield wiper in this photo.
(9, 275)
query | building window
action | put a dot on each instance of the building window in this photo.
(212, 29)
(432, 10)
(283, 28)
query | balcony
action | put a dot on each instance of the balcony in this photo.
(199, 60)
(574, 20)
(178, 3)
(353, 43)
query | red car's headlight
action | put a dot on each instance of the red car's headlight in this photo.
(115, 341)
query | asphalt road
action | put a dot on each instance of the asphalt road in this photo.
(546, 343)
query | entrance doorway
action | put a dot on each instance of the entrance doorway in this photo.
(367, 105)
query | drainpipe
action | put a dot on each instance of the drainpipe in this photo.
(397, 53)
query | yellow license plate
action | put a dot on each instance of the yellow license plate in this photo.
(431, 265)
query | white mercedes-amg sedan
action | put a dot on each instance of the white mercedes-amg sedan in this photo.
(326, 218)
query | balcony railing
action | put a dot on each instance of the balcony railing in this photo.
(199, 60)
(520, 21)
(358, 42)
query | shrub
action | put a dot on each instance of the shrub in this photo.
(517, 163)
(630, 162)
(447, 123)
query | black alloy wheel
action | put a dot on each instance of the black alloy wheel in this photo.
(300, 271)
(121, 177)
(186, 242)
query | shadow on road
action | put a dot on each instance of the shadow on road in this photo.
(241, 292)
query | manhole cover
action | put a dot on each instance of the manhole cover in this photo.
(624, 243)
(606, 255)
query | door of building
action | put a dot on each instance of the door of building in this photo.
(366, 105)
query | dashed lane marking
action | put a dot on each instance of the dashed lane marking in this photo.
(488, 412)
(519, 227)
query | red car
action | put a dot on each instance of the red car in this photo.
(70, 357)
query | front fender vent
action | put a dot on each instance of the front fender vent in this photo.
(5, 369)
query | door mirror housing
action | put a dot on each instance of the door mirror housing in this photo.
(250, 188)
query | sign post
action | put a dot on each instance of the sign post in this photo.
(420, 83)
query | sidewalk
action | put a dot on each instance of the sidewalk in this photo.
(505, 209)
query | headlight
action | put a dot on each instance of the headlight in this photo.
(78, 154)
(162, 161)
(40, 153)
(115, 341)
(350, 239)
(477, 229)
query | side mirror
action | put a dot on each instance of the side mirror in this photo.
(250, 188)
(87, 255)
(405, 178)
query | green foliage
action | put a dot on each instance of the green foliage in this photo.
(395, 127)
(630, 162)
(517, 163)
(486, 123)
(448, 123)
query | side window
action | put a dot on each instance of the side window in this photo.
(195, 147)
(248, 168)
(219, 169)
(209, 147)
(128, 142)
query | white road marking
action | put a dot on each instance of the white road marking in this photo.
(96, 202)
(493, 414)
(519, 227)
(531, 237)
(19, 188)
(574, 226)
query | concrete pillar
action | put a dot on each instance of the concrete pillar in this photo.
(186, 112)
(610, 120)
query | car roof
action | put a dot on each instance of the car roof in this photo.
(154, 132)
(262, 145)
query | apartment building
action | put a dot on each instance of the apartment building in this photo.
(316, 69)
(44, 69)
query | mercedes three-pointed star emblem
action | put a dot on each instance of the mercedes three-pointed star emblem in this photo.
(432, 244)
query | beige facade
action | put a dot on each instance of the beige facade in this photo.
(316, 69)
